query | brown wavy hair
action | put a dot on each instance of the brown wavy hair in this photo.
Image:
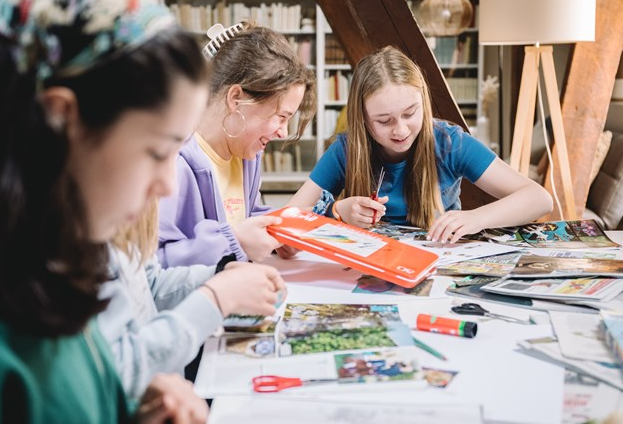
(265, 65)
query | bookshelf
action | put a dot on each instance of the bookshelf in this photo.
(461, 61)
(286, 165)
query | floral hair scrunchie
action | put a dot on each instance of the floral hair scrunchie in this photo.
(67, 37)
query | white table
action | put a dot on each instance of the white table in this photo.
(510, 386)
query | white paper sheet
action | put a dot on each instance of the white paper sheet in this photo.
(451, 253)
(579, 336)
(279, 410)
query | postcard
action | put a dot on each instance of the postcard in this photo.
(577, 234)
(250, 323)
(494, 266)
(259, 346)
(471, 280)
(313, 328)
(377, 366)
(399, 232)
(438, 378)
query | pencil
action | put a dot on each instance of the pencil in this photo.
(429, 349)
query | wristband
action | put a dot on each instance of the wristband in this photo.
(224, 261)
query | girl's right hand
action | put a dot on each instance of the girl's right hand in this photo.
(359, 210)
(247, 288)
(253, 237)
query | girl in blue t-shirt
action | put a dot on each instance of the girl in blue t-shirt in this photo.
(391, 128)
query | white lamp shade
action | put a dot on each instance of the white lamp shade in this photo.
(536, 21)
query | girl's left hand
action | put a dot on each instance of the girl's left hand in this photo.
(171, 399)
(453, 225)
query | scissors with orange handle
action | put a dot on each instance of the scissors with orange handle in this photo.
(275, 383)
(375, 194)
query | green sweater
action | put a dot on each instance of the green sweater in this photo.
(65, 380)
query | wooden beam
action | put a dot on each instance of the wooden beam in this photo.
(586, 97)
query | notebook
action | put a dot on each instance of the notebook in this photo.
(371, 253)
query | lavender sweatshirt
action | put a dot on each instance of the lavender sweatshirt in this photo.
(193, 226)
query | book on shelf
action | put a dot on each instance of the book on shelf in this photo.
(282, 160)
(277, 16)
(464, 89)
(612, 332)
(334, 53)
(330, 122)
(371, 253)
(337, 86)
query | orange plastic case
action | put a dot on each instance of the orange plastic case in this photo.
(374, 254)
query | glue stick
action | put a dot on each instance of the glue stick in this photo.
(441, 325)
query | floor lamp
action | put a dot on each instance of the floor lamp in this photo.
(537, 24)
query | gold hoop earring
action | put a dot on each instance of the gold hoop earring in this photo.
(232, 114)
(56, 122)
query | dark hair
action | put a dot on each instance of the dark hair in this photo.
(50, 273)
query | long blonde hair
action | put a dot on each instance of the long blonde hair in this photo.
(140, 237)
(373, 72)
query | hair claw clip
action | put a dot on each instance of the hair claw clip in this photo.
(218, 35)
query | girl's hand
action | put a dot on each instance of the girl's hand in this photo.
(171, 399)
(246, 288)
(359, 210)
(453, 225)
(253, 238)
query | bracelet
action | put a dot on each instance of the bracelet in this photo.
(218, 304)
(336, 215)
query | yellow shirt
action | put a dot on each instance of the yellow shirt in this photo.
(228, 175)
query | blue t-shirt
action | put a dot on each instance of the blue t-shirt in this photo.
(458, 155)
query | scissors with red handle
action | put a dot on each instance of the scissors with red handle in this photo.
(375, 194)
(275, 383)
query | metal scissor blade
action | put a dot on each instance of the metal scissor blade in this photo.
(508, 318)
